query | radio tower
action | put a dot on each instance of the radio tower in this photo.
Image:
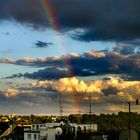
(60, 106)
(90, 122)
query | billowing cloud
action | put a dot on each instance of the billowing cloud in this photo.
(72, 85)
(108, 88)
(95, 54)
(112, 90)
(6, 60)
(99, 19)
(128, 47)
(122, 60)
(38, 62)
(11, 92)
(107, 94)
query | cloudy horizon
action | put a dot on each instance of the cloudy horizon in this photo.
(68, 47)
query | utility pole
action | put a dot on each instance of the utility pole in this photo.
(129, 125)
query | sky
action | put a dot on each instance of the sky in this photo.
(72, 48)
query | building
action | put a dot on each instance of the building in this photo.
(41, 131)
(47, 131)
(13, 133)
(36, 132)
(3, 127)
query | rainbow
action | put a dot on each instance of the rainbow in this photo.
(50, 13)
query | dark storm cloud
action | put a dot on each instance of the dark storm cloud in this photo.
(41, 44)
(128, 47)
(47, 73)
(100, 19)
(27, 11)
(91, 63)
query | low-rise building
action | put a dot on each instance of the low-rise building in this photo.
(13, 133)
(3, 127)
(41, 131)
(36, 132)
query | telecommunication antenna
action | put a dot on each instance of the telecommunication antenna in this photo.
(123, 106)
(60, 105)
(90, 111)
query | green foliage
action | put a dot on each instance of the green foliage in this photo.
(106, 122)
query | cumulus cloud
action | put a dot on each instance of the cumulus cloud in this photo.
(111, 90)
(6, 60)
(11, 92)
(100, 19)
(72, 85)
(122, 60)
(72, 54)
(36, 62)
(95, 54)
(107, 94)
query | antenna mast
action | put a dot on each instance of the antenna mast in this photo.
(90, 111)
(60, 105)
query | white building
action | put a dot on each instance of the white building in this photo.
(47, 131)
(41, 131)
(31, 135)
(36, 132)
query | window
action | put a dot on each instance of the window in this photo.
(33, 127)
(35, 136)
(37, 127)
(29, 136)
